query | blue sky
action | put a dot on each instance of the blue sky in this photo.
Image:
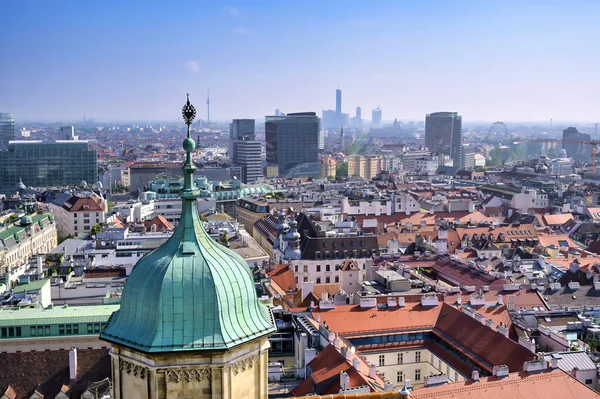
(135, 60)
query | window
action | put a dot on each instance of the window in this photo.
(318, 280)
(61, 329)
(327, 280)
(399, 376)
(305, 268)
(86, 221)
(305, 279)
(418, 357)
(440, 364)
(18, 331)
(296, 268)
(296, 278)
(33, 331)
(455, 376)
(431, 359)
(337, 279)
(400, 358)
(589, 382)
(318, 268)
(382, 360)
(418, 375)
(327, 268)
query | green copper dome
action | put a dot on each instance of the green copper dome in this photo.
(191, 293)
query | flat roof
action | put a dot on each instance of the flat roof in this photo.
(32, 286)
(56, 315)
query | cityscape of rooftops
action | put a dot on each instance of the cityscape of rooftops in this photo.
(299, 199)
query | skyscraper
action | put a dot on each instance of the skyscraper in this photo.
(244, 149)
(293, 143)
(338, 103)
(7, 130)
(47, 164)
(443, 133)
(376, 118)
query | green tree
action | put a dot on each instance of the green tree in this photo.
(110, 205)
(96, 228)
(342, 170)
(352, 148)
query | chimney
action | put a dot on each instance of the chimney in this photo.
(73, 364)
(475, 375)
(318, 317)
(372, 371)
(554, 362)
(459, 299)
(39, 265)
(337, 343)
(356, 364)
(489, 323)
(344, 381)
(500, 300)
(388, 386)
(348, 353)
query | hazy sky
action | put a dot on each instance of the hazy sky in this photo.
(134, 60)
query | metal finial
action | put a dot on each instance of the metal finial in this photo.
(188, 112)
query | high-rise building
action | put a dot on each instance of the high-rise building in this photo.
(67, 133)
(575, 144)
(204, 333)
(333, 119)
(338, 102)
(7, 129)
(293, 143)
(244, 149)
(376, 118)
(47, 164)
(443, 133)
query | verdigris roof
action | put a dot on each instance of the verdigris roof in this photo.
(191, 293)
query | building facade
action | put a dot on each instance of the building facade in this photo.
(365, 166)
(376, 118)
(293, 142)
(76, 215)
(245, 150)
(443, 133)
(7, 129)
(47, 164)
(32, 235)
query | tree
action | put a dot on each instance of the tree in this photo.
(342, 170)
(96, 228)
(110, 205)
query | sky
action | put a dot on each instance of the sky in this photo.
(135, 60)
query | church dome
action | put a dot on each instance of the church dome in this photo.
(191, 293)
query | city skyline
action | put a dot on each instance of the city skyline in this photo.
(498, 61)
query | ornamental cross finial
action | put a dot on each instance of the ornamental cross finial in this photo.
(188, 112)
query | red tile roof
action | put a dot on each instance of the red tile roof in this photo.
(49, 371)
(161, 223)
(475, 339)
(555, 384)
(283, 276)
(352, 319)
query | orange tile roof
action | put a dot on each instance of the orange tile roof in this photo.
(283, 276)
(555, 384)
(352, 319)
(552, 220)
(486, 344)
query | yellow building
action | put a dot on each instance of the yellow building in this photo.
(249, 210)
(364, 166)
(328, 167)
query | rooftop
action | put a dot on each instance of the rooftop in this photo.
(56, 314)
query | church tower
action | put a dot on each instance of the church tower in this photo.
(190, 323)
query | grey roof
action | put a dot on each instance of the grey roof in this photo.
(70, 246)
(567, 361)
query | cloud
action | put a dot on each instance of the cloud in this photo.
(192, 66)
(241, 31)
(230, 10)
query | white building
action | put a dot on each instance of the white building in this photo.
(77, 214)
